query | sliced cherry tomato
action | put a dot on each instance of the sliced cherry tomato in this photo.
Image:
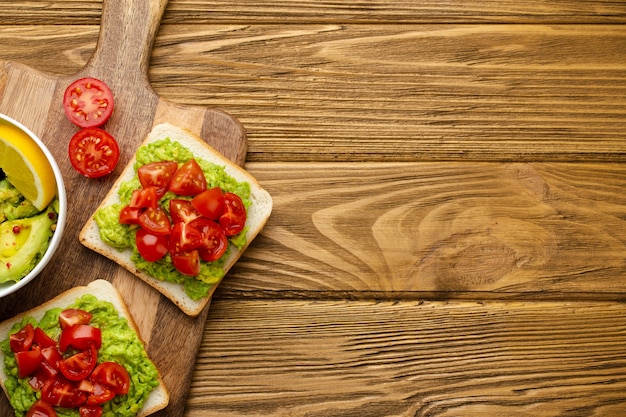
(52, 356)
(100, 394)
(187, 263)
(61, 392)
(41, 409)
(42, 375)
(214, 240)
(234, 218)
(158, 175)
(210, 203)
(183, 211)
(80, 336)
(88, 102)
(72, 316)
(151, 247)
(90, 411)
(42, 340)
(23, 339)
(155, 221)
(189, 180)
(112, 375)
(28, 361)
(144, 198)
(79, 366)
(93, 152)
(184, 238)
(130, 215)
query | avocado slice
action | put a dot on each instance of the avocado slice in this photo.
(22, 244)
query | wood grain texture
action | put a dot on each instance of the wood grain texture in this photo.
(431, 359)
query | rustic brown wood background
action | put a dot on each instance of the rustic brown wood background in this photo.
(448, 236)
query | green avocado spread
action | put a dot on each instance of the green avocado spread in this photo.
(120, 344)
(122, 237)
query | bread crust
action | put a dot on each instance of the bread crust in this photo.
(104, 291)
(257, 215)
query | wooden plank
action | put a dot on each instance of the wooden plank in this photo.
(385, 92)
(410, 358)
(374, 11)
(472, 229)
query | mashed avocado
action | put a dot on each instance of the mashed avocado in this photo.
(122, 237)
(120, 344)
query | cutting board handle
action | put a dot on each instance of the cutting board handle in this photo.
(127, 32)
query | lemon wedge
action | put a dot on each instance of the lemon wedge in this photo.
(26, 166)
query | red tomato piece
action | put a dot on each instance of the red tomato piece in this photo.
(130, 215)
(189, 180)
(88, 102)
(79, 366)
(100, 394)
(52, 356)
(187, 263)
(234, 218)
(144, 198)
(90, 411)
(22, 339)
(155, 221)
(72, 316)
(151, 247)
(42, 375)
(28, 361)
(210, 203)
(112, 375)
(214, 240)
(183, 211)
(158, 175)
(93, 152)
(61, 392)
(184, 238)
(79, 337)
(41, 409)
(42, 340)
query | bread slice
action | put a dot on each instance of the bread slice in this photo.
(257, 215)
(104, 291)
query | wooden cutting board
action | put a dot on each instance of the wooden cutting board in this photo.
(121, 59)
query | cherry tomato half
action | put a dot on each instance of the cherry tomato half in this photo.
(28, 361)
(61, 392)
(187, 263)
(41, 409)
(234, 218)
(112, 375)
(210, 203)
(80, 336)
(151, 247)
(130, 215)
(214, 240)
(93, 152)
(71, 316)
(88, 102)
(157, 174)
(155, 221)
(184, 238)
(23, 339)
(78, 366)
(144, 198)
(42, 340)
(183, 211)
(189, 180)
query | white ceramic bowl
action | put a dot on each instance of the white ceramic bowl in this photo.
(10, 287)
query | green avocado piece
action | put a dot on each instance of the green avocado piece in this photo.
(22, 244)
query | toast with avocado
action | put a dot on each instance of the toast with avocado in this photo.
(79, 349)
(179, 216)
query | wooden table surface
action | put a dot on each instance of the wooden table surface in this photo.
(449, 226)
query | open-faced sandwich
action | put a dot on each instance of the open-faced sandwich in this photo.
(179, 216)
(79, 355)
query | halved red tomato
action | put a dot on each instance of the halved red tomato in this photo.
(184, 238)
(80, 336)
(78, 366)
(93, 152)
(210, 203)
(72, 316)
(28, 361)
(187, 263)
(61, 392)
(130, 215)
(52, 356)
(151, 247)
(157, 174)
(22, 339)
(42, 375)
(155, 221)
(189, 180)
(112, 375)
(41, 409)
(144, 198)
(99, 393)
(88, 102)
(42, 340)
(90, 410)
(183, 211)
(214, 240)
(234, 218)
